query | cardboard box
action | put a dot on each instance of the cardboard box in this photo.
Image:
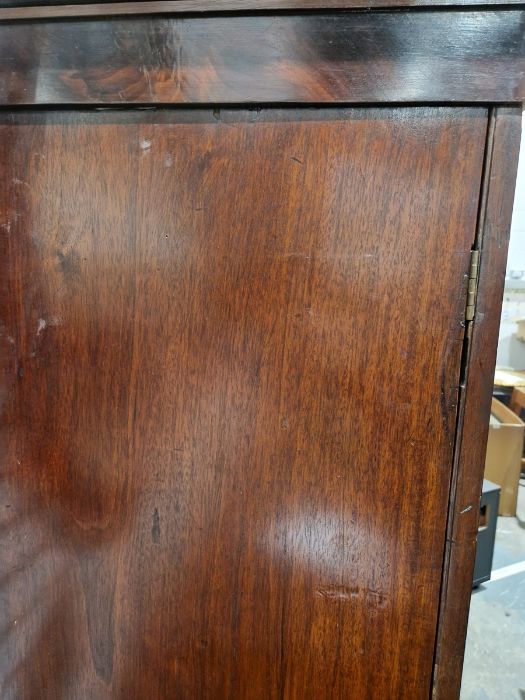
(508, 377)
(504, 450)
(520, 332)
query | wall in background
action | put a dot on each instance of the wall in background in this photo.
(511, 351)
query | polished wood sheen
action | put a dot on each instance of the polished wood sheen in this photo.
(30, 9)
(463, 56)
(231, 358)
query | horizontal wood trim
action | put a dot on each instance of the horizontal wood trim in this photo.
(27, 9)
(467, 56)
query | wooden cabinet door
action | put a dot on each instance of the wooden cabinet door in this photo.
(232, 348)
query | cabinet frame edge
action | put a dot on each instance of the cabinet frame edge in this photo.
(496, 205)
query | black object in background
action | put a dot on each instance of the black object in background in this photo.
(486, 532)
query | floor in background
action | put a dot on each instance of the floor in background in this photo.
(494, 666)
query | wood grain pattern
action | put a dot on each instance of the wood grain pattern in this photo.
(198, 441)
(320, 58)
(30, 9)
(475, 405)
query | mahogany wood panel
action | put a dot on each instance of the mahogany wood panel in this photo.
(23, 9)
(461, 56)
(496, 214)
(221, 330)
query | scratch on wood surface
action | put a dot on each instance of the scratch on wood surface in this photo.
(155, 527)
(337, 593)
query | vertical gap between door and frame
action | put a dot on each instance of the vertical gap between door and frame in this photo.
(463, 380)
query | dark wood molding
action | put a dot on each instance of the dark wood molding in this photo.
(32, 9)
(495, 220)
(425, 57)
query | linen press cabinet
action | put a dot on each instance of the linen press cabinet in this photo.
(252, 260)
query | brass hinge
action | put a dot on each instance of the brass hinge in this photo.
(472, 289)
